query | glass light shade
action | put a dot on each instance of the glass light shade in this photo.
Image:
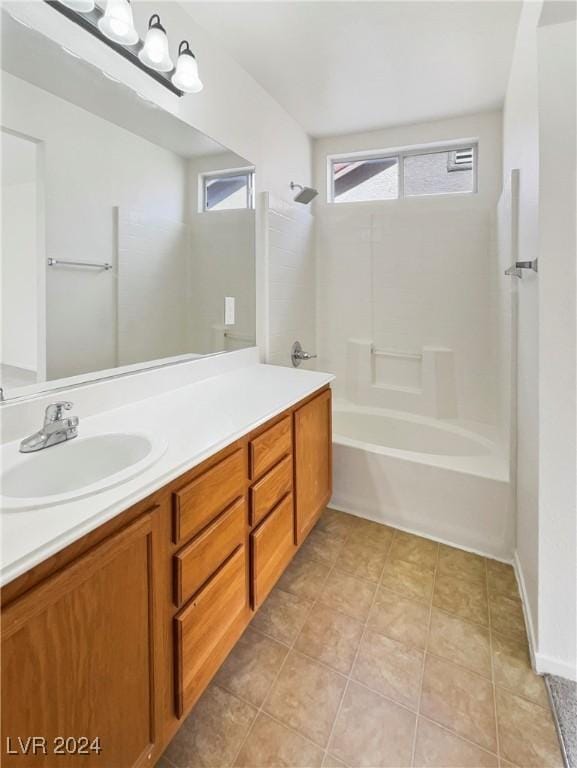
(82, 6)
(186, 76)
(154, 52)
(117, 23)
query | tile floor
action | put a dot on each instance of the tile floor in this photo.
(377, 648)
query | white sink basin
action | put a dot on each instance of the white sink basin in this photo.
(74, 469)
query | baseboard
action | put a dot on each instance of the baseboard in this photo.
(416, 532)
(526, 612)
(547, 665)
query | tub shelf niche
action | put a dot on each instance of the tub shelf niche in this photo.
(415, 382)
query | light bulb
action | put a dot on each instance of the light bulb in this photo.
(186, 76)
(117, 24)
(154, 52)
(82, 6)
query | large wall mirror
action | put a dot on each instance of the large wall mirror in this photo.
(125, 231)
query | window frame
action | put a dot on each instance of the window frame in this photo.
(399, 154)
(226, 173)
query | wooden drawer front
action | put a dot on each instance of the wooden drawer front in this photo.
(208, 495)
(205, 629)
(268, 448)
(270, 490)
(272, 546)
(194, 564)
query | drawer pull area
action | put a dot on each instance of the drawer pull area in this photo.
(208, 495)
(270, 489)
(197, 561)
(207, 627)
(272, 546)
(269, 447)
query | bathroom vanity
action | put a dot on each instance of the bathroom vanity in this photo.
(108, 644)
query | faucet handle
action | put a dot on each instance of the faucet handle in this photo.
(55, 411)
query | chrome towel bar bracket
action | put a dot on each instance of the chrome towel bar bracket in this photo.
(516, 269)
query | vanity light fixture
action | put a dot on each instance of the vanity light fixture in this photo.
(118, 23)
(154, 53)
(115, 27)
(186, 76)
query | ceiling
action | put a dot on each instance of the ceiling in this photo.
(343, 67)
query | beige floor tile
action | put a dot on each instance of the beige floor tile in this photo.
(414, 549)
(371, 731)
(282, 616)
(304, 577)
(400, 618)
(164, 763)
(527, 734)
(512, 669)
(252, 666)
(438, 748)
(501, 579)
(460, 700)
(213, 733)
(461, 642)
(390, 667)
(507, 617)
(347, 594)
(322, 546)
(362, 558)
(331, 637)
(374, 533)
(306, 697)
(465, 599)
(334, 521)
(465, 565)
(331, 762)
(409, 579)
(271, 745)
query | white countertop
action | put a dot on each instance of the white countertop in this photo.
(196, 420)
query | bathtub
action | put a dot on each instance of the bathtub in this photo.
(435, 478)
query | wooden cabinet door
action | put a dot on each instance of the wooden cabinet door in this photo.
(313, 461)
(77, 660)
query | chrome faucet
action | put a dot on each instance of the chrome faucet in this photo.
(56, 429)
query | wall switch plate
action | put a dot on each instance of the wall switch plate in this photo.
(229, 310)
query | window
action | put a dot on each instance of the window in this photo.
(408, 173)
(227, 191)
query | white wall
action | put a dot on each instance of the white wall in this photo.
(90, 166)
(521, 150)
(20, 275)
(415, 272)
(557, 629)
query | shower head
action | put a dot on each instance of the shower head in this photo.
(304, 195)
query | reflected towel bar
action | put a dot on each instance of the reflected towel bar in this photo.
(89, 264)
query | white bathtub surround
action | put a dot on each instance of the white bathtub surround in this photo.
(415, 382)
(204, 415)
(291, 277)
(435, 478)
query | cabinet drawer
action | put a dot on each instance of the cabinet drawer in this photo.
(206, 629)
(208, 495)
(269, 447)
(270, 490)
(194, 564)
(272, 546)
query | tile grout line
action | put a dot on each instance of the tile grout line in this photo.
(354, 661)
(438, 557)
(493, 683)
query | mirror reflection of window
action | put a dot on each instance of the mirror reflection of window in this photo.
(228, 191)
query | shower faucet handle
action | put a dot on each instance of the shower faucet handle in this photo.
(298, 354)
